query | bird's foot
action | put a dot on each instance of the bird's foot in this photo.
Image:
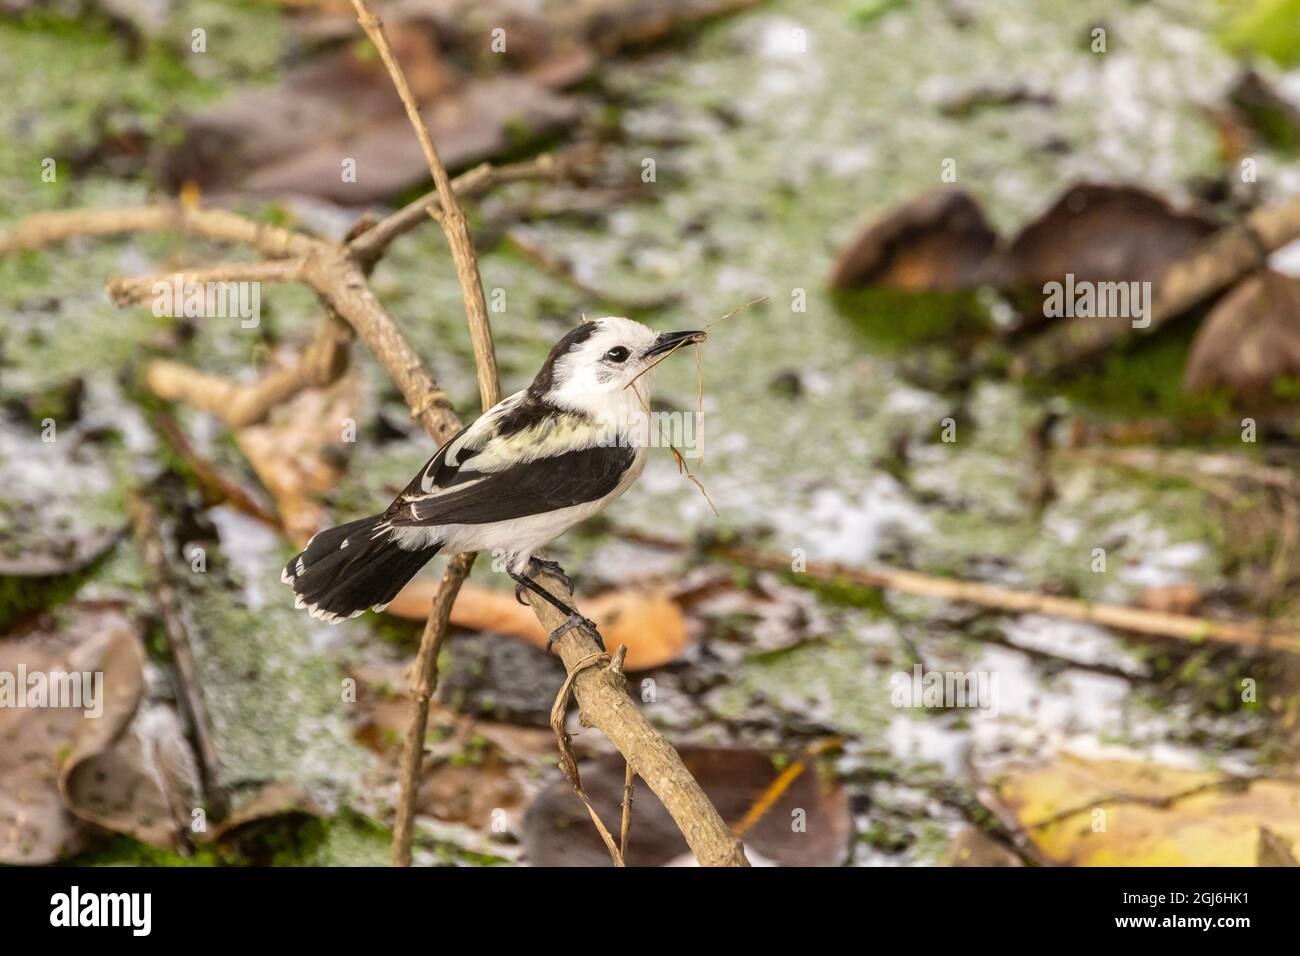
(553, 567)
(573, 620)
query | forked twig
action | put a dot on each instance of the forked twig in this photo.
(569, 762)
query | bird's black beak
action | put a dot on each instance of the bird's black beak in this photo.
(667, 341)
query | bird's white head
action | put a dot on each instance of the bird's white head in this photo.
(591, 368)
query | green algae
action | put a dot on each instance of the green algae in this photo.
(1144, 380)
(126, 851)
(346, 839)
(827, 681)
(276, 705)
(896, 319)
(21, 596)
(841, 592)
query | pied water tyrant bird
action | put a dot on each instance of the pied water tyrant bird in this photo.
(530, 468)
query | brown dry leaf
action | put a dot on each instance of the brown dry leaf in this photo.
(649, 624)
(1153, 815)
(1274, 850)
(789, 813)
(939, 241)
(480, 121)
(556, 42)
(472, 794)
(615, 25)
(127, 769)
(548, 42)
(542, 25)
(324, 99)
(298, 451)
(1249, 344)
(144, 782)
(1098, 233)
(974, 847)
(270, 800)
(293, 139)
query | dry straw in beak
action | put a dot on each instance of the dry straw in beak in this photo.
(682, 467)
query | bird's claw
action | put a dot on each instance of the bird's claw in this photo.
(572, 621)
(553, 567)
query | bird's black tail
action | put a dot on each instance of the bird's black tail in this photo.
(345, 570)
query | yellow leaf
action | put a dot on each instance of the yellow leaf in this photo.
(1124, 813)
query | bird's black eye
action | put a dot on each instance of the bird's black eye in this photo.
(617, 354)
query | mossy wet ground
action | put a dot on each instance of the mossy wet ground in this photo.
(767, 157)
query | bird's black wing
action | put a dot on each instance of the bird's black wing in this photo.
(527, 488)
(453, 464)
(436, 473)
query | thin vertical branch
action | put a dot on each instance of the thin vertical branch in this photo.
(629, 784)
(189, 692)
(424, 679)
(569, 761)
(449, 215)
